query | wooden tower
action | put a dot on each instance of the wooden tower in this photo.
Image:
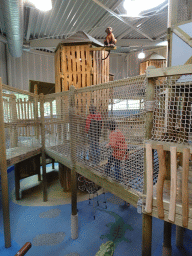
(80, 61)
(77, 63)
(153, 59)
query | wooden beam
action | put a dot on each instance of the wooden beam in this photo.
(184, 36)
(170, 71)
(4, 179)
(103, 48)
(113, 187)
(168, 145)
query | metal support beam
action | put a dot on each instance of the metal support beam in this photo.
(31, 17)
(121, 19)
(104, 17)
(53, 43)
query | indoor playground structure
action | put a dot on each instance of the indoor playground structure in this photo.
(154, 118)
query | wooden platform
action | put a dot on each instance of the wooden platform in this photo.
(18, 154)
(166, 202)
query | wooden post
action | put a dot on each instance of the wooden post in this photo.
(36, 111)
(14, 134)
(4, 179)
(179, 236)
(173, 192)
(43, 147)
(160, 181)
(149, 170)
(185, 192)
(167, 249)
(74, 216)
(147, 219)
(63, 177)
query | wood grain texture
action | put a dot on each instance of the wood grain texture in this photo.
(149, 161)
(160, 181)
(185, 192)
(173, 189)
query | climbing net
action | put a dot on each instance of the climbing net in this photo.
(172, 114)
(97, 108)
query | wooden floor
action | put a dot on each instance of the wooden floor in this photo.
(18, 154)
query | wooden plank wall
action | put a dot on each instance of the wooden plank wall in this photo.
(77, 65)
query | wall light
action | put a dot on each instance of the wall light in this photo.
(141, 55)
(134, 7)
(42, 5)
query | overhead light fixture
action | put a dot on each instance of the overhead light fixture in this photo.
(135, 7)
(42, 5)
(141, 55)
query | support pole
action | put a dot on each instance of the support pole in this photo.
(167, 249)
(74, 216)
(4, 179)
(179, 236)
(147, 219)
(43, 147)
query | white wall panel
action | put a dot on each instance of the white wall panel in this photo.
(118, 66)
(31, 66)
(3, 68)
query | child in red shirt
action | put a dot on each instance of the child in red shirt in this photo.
(119, 146)
(93, 128)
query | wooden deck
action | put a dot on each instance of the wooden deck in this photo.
(18, 154)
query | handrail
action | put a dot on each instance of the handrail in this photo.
(24, 249)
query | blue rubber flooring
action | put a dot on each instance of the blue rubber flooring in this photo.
(27, 224)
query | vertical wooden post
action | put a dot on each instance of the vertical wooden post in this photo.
(185, 191)
(43, 147)
(4, 179)
(14, 134)
(179, 236)
(147, 219)
(74, 216)
(36, 111)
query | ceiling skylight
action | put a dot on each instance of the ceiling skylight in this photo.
(42, 5)
(135, 7)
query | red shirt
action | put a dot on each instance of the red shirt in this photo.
(96, 116)
(117, 142)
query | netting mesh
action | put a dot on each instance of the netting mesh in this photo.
(184, 11)
(22, 125)
(57, 133)
(172, 115)
(109, 130)
(116, 153)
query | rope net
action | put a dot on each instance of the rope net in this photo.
(107, 129)
(184, 11)
(57, 133)
(21, 121)
(172, 114)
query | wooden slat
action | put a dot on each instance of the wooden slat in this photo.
(170, 71)
(160, 181)
(173, 191)
(149, 162)
(184, 36)
(88, 56)
(102, 67)
(83, 65)
(168, 145)
(185, 192)
(102, 48)
(94, 69)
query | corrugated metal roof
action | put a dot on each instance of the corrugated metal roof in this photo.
(153, 56)
(93, 16)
